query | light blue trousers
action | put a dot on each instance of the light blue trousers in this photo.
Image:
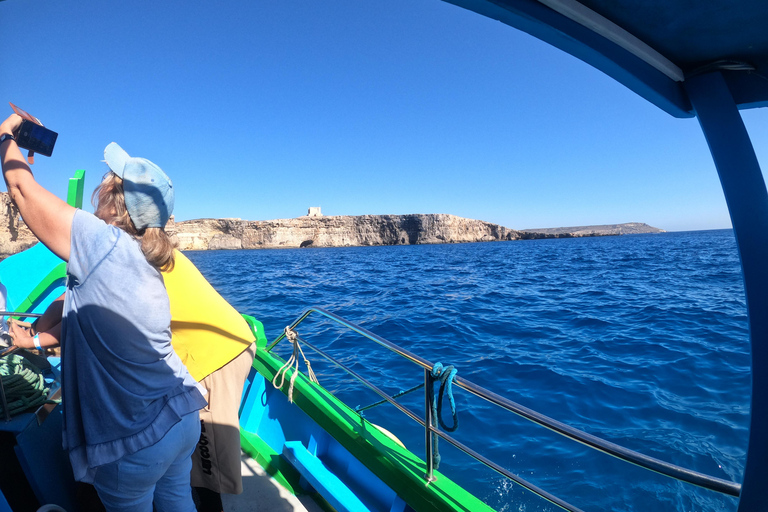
(158, 473)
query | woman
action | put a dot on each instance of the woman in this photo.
(130, 406)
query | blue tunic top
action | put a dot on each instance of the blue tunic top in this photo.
(123, 386)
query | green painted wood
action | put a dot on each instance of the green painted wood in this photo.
(277, 467)
(399, 468)
(74, 198)
(58, 272)
(75, 189)
(257, 328)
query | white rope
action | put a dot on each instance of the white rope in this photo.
(293, 362)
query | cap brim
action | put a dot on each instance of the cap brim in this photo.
(116, 158)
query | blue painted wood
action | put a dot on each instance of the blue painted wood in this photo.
(22, 272)
(322, 479)
(747, 199)
(689, 34)
(267, 413)
(553, 28)
(253, 403)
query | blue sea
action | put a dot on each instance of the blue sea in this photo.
(641, 340)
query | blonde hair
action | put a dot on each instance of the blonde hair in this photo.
(109, 201)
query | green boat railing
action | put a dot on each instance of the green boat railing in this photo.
(428, 422)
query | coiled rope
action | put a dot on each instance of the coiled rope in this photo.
(445, 376)
(23, 386)
(293, 361)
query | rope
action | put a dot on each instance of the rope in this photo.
(445, 375)
(23, 385)
(400, 393)
(293, 361)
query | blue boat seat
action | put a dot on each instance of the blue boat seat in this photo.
(322, 479)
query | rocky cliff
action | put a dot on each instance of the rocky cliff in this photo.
(328, 231)
(15, 236)
(335, 231)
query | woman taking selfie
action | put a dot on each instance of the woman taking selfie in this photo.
(130, 406)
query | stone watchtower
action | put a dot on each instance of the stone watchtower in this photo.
(314, 211)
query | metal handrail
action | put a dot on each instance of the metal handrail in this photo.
(431, 429)
(644, 461)
(20, 314)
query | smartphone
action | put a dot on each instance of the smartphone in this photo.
(36, 138)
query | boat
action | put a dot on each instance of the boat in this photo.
(705, 61)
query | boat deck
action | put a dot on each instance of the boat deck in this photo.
(261, 493)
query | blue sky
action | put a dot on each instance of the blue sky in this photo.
(260, 109)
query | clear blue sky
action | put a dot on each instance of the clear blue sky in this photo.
(260, 109)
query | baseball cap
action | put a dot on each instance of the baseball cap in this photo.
(148, 190)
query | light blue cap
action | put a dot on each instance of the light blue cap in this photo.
(148, 190)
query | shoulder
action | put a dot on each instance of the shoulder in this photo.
(93, 240)
(86, 222)
(92, 230)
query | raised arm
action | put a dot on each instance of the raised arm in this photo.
(47, 216)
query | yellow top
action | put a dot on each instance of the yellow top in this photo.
(207, 331)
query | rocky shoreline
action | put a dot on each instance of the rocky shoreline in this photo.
(367, 230)
(326, 231)
(336, 231)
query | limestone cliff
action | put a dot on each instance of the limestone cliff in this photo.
(325, 231)
(15, 236)
(336, 231)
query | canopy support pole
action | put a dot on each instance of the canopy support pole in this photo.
(747, 199)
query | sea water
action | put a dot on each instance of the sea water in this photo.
(640, 340)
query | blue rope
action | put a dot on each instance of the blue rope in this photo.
(445, 375)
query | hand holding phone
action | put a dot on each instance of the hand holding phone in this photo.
(33, 135)
(36, 138)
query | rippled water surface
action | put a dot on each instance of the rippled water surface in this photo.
(640, 340)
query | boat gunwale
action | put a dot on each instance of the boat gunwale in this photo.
(397, 467)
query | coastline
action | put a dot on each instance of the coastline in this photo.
(368, 230)
(327, 231)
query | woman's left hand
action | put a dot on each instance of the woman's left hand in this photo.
(47, 216)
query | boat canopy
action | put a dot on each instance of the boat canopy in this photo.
(653, 46)
(702, 58)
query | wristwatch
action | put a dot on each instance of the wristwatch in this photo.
(6, 136)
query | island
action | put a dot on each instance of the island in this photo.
(315, 230)
(318, 230)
